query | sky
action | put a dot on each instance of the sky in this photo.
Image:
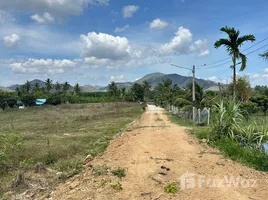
(94, 42)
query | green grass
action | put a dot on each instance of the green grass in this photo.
(60, 137)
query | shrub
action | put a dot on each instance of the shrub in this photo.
(249, 108)
(171, 188)
(180, 102)
(54, 99)
(120, 172)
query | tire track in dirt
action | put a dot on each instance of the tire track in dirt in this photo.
(149, 144)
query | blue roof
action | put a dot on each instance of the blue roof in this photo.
(40, 101)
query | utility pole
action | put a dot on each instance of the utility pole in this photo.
(193, 86)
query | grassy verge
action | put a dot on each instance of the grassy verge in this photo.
(59, 137)
(253, 158)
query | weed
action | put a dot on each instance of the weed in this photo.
(171, 188)
(159, 119)
(117, 186)
(120, 172)
(100, 170)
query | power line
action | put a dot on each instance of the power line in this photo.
(255, 44)
(215, 66)
(204, 66)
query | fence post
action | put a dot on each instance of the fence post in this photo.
(208, 115)
(199, 115)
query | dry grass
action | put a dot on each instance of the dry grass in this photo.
(61, 137)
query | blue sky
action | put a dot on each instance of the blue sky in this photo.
(98, 41)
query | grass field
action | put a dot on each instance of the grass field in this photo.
(59, 137)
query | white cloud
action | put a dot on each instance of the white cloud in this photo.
(46, 18)
(179, 44)
(57, 8)
(105, 46)
(11, 40)
(182, 44)
(158, 24)
(118, 30)
(129, 10)
(42, 65)
(201, 47)
(117, 78)
(266, 70)
(219, 80)
(5, 17)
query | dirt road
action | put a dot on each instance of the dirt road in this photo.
(152, 142)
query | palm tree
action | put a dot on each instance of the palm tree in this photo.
(66, 87)
(113, 90)
(36, 86)
(48, 85)
(232, 44)
(77, 89)
(27, 86)
(57, 86)
(264, 55)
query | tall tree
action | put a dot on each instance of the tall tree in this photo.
(48, 85)
(36, 86)
(138, 91)
(77, 89)
(27, 87)
(232, 44)
(66, 86)
(57, 86)
(113, 90)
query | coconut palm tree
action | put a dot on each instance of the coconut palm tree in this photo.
(265, 55)
(48, 85)
(57, 86)
(232, 44)
(113, 90)
(66, 87)
(77, 89)
(27, 86)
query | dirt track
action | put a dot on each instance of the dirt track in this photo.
(151, 142)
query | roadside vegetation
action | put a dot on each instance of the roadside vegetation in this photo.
(239, 122)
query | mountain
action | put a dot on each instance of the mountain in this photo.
(126, 85)
(5, 89)
(153, 79)
(89, 88)
(181, 81)
(33, 82)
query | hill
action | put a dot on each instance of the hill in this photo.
(181, 81)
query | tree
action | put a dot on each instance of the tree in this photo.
(77, 89)
(232, 44)
(66, 86)
(147, 87)
(262, 102)
(27, 87)
(113, 90)
(138, 92)
(244, 91)
(57, 86)
(165, 93)
(48, 85)
(264, 55)
(199, 93)
(123, 92)
(36, 87)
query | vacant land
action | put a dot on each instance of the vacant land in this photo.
(157, 159)
(58, 137)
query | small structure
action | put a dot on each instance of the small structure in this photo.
(40, 102)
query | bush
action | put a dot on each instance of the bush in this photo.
(28, 100)
(249, 108)
(180, 102)
(54, 99)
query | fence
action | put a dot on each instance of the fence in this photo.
(198, 115)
